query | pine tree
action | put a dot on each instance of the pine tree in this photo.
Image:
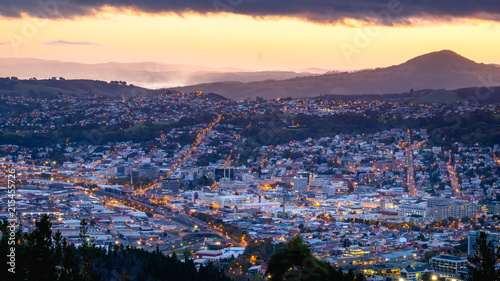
(41, 256)
(482, 263)
(40, 259)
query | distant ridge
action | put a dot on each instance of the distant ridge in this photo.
(145, 74)
(437, 70)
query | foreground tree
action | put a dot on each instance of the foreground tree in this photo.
(296, 263)
(42, 256)
(482, 263)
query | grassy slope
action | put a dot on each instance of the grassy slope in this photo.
(438, 96)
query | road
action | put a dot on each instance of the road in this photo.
(409, 162)
(199, 138)
(455, 186)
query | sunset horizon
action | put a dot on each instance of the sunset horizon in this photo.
(237, 35)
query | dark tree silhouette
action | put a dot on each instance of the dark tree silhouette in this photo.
(41, 256)
(482, 263)
(295, 262)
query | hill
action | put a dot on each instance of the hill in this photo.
(145, 74)
(438, 70)
(53, 87)
(438, 96)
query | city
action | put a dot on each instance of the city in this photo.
(204, 177)
(249, 140)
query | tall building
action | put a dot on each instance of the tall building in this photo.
(448, 265)
(494, 238)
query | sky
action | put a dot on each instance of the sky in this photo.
(249, 34)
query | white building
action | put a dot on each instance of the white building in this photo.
(407, 210)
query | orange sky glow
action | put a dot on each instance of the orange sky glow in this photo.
(228, 40)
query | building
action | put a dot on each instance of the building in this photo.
(492, 207)
(148, 171)
(303, 174)
(300, 184)
(232, 184)
(210, 198)
(447, 265)
(453, 209)
(356, 251)
(208, 254)
(224, 173)
(415, 273)
(437, 201)
(489, 207)
(172, 184)
(494, 238)
(407, 210)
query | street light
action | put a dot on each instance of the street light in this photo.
(434, 277)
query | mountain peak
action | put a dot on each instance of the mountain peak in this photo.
(440, 59)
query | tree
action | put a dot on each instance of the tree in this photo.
(428, 255)
(41, 261)
(83, 232)
(482, 263)
(205, 181)
(427, 276)
(295, 262)
(421, 237)
(88, 253)
(70, 267)
(350, 187)
(346, 243)
(41, 256)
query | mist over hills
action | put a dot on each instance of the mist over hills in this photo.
(145, 74)
(438, 70)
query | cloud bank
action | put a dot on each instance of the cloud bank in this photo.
(387, 12)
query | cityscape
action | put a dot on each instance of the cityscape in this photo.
(205, 177)
(237, 140)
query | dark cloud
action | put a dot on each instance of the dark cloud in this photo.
(67, 42)
(323, 11)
